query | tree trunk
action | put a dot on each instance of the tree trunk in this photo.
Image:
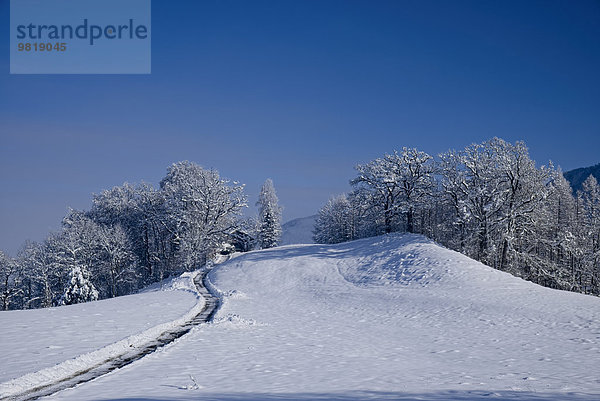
(388, 222)
(409, 220)
(504, 255)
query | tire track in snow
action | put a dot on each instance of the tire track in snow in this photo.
(88, 373)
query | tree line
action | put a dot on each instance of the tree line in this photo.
(488, 201)
(135, 235)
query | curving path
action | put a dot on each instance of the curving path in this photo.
(211, 305)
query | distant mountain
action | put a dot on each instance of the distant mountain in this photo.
(298, 231)
(579, 175)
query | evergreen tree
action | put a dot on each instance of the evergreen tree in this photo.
(79, 287)
(269, 216)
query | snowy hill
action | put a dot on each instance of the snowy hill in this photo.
(298, 231)
(392, 317)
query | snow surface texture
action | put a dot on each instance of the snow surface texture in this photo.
(394, 317)
(298, 231)
(77, 335)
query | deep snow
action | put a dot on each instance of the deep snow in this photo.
(394, 317)
(43, 370)
(36, 339)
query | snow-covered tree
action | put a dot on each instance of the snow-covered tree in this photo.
(561, 203)
(336, 222)
(589, 200)
(76, 245)
(454, 192)
(415, 171)
(399, 183)
(269, 216)
(133, 235)
(42, 275)
(79, 288)
(489, 201)
(556, 240)
(368, 219)
(526, 191)
(201, 210)
(494, 190)
(481, 198)
(140, 212)
(116, 260)
(590, 203)
(102, 252)
(10, 282)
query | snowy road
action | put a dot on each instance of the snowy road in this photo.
(393, 317)
(90, 366)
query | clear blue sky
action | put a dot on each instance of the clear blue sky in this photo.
(300, 91)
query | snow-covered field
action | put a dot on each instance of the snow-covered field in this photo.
(36, 339)
(394, 317)
(42, 347)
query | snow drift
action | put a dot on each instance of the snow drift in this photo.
(392, 317)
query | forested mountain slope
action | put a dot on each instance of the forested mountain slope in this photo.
(577, 176)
